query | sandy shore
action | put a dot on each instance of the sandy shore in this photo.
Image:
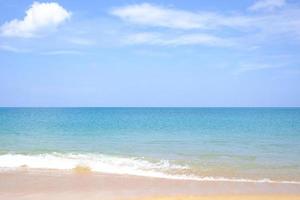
(54, 185)
(230, 197)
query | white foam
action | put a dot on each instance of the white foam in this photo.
(111, 164)
(96, 162)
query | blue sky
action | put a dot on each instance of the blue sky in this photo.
(150, 53)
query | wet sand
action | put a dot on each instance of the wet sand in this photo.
(44, 185)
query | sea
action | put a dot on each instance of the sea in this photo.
(201, 144)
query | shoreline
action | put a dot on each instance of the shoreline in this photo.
(87, 170)
(51, 184)
(101, 163)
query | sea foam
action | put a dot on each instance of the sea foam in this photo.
(112, 165)
(96, 162)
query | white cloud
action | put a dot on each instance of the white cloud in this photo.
(143, 38)
(267, 4)
(200, 39)
(152, 15)
(147, 14)
(13, 49)
(81, 41)
(40, 17)
(255, 27)
(184, 39)
(248, 67)
(62, 52)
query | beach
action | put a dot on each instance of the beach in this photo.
(150, 100)
(27, 184)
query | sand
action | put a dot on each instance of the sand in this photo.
(83, 184)
(229, 197)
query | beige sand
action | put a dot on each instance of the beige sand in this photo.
(83, 184)
(228, 197)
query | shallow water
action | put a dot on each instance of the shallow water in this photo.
(185, 143)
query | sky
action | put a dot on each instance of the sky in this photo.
(215, 53)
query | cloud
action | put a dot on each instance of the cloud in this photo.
(152, 15)
(143, 38)
(251, 28)
(183, 39)
(40, 17)
(62, 52)
(147, 14)
(13, 49)
(81, 41)
(248, 67)
(267, 4)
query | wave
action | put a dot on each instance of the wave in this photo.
(112, 165)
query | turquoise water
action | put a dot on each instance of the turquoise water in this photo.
(194, 143)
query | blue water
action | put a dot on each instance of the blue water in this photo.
(233, 143)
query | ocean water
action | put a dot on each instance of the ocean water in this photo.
(232, 144)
